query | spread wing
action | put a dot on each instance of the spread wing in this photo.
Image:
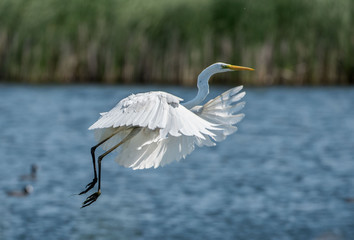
(147, 149)
(223, 111)
(154, 153)
(169, 131)
(155, 110)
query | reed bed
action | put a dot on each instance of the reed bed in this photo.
(168, 42)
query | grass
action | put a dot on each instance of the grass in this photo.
(114, 41)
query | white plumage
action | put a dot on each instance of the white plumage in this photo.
(153, 129)
(154, 110)
(169, 131)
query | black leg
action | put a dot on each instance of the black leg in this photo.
(93, 149)
(93, 183)
(92, 198)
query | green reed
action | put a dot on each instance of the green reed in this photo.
(115, 41)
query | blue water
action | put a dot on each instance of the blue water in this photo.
(288, 173)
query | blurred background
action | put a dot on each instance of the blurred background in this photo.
(117, 41)
(288, 173)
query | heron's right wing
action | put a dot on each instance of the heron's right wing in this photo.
(223, 111)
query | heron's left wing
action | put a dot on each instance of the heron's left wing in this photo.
(147, 149)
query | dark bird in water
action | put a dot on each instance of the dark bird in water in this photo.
(349, 199)
(25, 191)
(32, 175)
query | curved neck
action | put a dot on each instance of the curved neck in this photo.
(203, 88)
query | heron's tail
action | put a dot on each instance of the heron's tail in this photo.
(223, 110)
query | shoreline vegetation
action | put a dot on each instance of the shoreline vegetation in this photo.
(169, 42)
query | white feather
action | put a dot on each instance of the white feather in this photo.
(164, 130)
(177, 132)
(149, 154)
(169, 130)
(220, 111)
(153, 129)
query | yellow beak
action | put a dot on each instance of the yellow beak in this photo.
(238, 68)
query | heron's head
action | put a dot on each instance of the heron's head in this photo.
(218, 67)
(224, 67)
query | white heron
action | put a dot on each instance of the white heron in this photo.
(154, 128)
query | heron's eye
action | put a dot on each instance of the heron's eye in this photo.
(224, 66)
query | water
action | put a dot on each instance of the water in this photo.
(286, 174)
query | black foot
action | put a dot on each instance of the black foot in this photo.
(89, 200)
(89, 186)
